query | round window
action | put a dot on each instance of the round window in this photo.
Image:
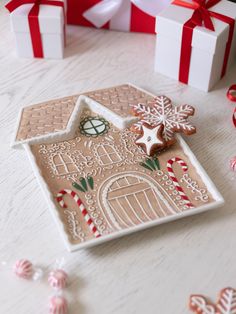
(94, 126)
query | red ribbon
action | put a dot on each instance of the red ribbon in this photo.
(231, 94)
(34, 21)
(234, 117)
(202, 16)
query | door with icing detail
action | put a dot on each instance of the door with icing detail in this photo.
(129, 199)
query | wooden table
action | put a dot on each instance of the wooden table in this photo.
(149, 272)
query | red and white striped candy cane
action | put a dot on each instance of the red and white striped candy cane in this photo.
(175, 180)
(83, 210)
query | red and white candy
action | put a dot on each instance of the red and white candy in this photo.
(58, 279)
(175, 181)
(233, 164)
(58, 305)
(23, 269)
(83, 210)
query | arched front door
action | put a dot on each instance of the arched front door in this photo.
(132, 198)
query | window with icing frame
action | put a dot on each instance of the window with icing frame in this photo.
(94, 126)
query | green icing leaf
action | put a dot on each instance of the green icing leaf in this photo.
(90, 182)
(157, 164)
(78, 187)
(84, 184)
(150, 163)
(146, 166)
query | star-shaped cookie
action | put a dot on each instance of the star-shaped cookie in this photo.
(151, 139)
(161, 111)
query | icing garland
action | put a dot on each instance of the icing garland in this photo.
(202, 193)
(168, 185)
(175, 180)
(94, 213)
(83, 210)
(74, 228)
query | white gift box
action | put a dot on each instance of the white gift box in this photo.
(208, 47)
(52, 25)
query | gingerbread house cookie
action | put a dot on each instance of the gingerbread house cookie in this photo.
(98, 182)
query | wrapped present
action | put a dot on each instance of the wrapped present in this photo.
(196, 41)
(39, 27)
(122, 15)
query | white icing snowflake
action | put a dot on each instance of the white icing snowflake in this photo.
(161, 111)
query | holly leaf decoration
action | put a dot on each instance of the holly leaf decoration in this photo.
(85, 183)
(151, 164)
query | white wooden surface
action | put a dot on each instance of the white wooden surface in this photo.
(153, 271)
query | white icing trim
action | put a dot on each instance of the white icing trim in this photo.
(48, 196)
(82, 103)
(72, 247)
(201, 171)
(104, 188)
(18, 119)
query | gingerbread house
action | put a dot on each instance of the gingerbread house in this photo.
(98, 183)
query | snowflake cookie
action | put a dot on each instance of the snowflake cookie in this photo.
(226, 303)
(161, 111)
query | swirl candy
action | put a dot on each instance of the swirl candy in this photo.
(58, 305)
(23, 269)
(58, 279)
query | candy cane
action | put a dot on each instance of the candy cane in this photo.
(83, 210)
(175, 180)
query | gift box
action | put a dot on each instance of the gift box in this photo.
(196, 41)
(39, 28)
(122, 15)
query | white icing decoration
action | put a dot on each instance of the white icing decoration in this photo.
(193, 185)
(94, 213)
(150, 138)
(202, 306)
(105, 189)
(227, 301)
(62, 164)
(106, 154)
(163, 112)
(74, 227)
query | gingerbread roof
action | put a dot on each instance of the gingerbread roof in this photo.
(42, 120)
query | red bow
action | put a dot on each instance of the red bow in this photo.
(231, 94)
(201, 15)
(14, 4)
(33, 20)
